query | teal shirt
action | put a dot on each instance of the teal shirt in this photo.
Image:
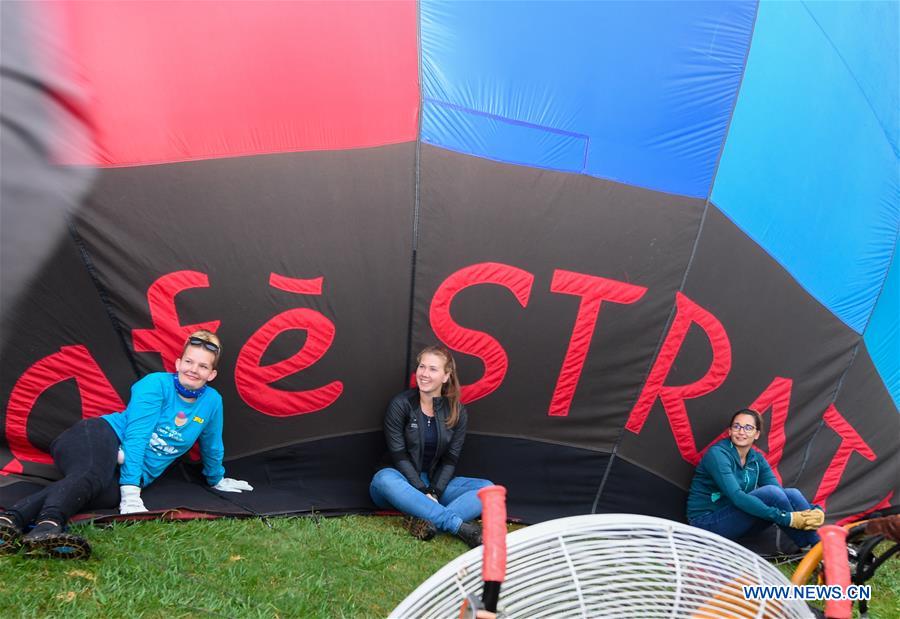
(157, 427)
(720, 481)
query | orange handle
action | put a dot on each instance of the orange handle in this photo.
(837, 569)
(493, 519)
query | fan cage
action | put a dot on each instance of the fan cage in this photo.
(611, 565)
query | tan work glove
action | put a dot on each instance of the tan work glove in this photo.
(798, 520)
(808, 519)
(815, 518)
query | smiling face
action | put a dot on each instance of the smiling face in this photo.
(431, 374)
(741, 437)
(195, 367)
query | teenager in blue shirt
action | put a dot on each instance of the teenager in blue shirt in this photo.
(108, 460)
(735, 494)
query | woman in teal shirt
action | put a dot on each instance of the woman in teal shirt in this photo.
(735, 494)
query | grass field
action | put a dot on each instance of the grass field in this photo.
(354, 566)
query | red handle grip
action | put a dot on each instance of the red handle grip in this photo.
(837, 569)
(493, 520)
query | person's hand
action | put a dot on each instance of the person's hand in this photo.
(226, 484)
(808, 519)
(798, 520)
(815, 518)
(131, 502)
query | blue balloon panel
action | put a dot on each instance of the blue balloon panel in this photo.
(883, 331)
(867, 56)
(808, 170)
(639, 93)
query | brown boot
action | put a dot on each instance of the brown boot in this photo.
(420, 528)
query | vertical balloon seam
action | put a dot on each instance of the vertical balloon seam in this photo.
(852, 74)
(416, 199)
(861, 331)
(102, 294)
(812, 439)
(884, 280)
(854, 352)
(884, 283)
(690, 261)
(846, 321)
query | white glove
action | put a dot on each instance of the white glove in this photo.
(131, 502)
(232, 485)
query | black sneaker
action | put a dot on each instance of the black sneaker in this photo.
(10, 536)
(470, 533)
(49, 539)
(421, 529)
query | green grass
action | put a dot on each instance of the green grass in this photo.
(291, 567)
(885, 602)
(354, 566)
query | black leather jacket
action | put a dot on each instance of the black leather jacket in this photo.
(406, 440)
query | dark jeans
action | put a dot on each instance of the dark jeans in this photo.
(86, 455)
(733, 523)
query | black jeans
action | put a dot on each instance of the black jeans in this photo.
(86, 455)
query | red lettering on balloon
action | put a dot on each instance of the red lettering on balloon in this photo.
(469, 341)
(253, 380)
(851, 442)
(97, 395)
(673, 397)
(777, 398)
(593, 291)
(299, 286)
(13, 467)
(168, 335)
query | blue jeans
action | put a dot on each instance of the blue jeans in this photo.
(459, 502)
(734, 523)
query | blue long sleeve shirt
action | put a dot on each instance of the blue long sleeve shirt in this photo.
(157, 427)
(720, 480)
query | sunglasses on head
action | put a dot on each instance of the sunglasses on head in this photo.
(196, 341)
(746, 428)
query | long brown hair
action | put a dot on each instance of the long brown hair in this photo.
(449, 390)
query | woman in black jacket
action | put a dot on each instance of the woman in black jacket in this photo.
(425, 429)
